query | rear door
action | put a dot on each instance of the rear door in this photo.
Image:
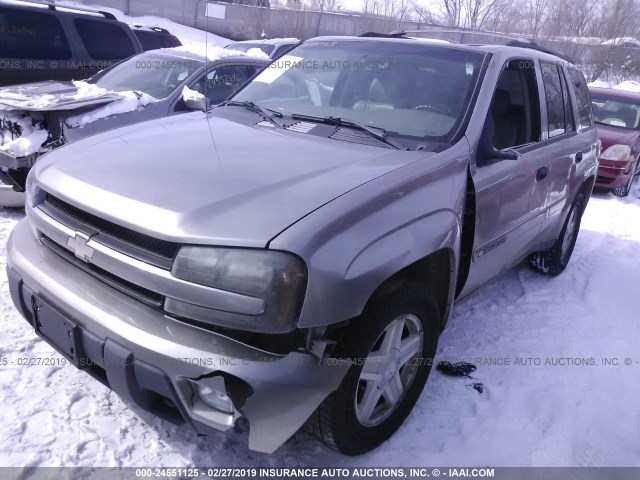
(568, 147)
(511, 194)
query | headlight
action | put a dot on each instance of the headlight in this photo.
(32, 190)
(279, 278)
(617, 153)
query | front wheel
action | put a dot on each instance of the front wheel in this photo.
(625, 189)
(556, 259)
(391, 349)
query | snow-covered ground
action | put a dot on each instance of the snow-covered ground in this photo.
(573, 411)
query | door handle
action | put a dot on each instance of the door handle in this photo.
(541, 173)
(578, 157)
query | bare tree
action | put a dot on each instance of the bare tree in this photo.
(481, 14)
(421, 14)
(535, 12)
(451, 11)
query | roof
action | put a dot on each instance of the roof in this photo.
(615, 92)
(58, 8)
(271, 41)
(147, 28)
(182, 52)
(520, 49)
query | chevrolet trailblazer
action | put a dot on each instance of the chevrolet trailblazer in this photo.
(293, 255)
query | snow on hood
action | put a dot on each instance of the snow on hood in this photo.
(23, 133)
(130, 101)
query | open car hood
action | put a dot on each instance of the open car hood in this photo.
(53, 95)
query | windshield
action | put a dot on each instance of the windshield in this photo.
(245, 47)
(419, 92)
(615, 111)
(152, 73)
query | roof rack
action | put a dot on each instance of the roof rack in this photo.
(515, 41)
(155, 29)
(61, 8)
(382, 35)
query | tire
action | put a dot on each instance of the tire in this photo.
(625, 189)
(556, 259)
(362, 412)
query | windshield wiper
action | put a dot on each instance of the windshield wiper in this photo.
(378, 133)
(267, 113)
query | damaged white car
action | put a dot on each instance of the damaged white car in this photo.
(36, 118)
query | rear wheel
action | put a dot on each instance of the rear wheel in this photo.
(391, 348)
(555, 260)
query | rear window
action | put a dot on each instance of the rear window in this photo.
(582, 95)
(32, 35)
(104, 40)
(154, 41)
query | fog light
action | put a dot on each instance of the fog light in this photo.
(215, 399)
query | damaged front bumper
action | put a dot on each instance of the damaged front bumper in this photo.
(179, 372)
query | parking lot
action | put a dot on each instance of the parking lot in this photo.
(550, 353)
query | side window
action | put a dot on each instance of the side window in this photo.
(104, 40)
(556, 120)
(515, 108)
(584, 98)
(568, 106)
(148, 40)
(23, 34)
(221, 83)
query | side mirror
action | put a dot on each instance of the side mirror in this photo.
(494, 153)
(200, 103)
(195, 100)
(487, 153)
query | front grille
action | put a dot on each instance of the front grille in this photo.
(146, 296)
(138, 245)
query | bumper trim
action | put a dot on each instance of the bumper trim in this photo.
(146, 357)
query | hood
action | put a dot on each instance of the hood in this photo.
(53, 95)
(613, 135)
(193, 179)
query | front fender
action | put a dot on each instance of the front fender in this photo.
(359, 240)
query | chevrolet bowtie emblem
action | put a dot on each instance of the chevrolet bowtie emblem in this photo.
(78, 245)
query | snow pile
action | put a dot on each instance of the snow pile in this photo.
(21, 135)
(599, 84)
(256, 52)
(130, 101)
(190, 37)
(629, 86)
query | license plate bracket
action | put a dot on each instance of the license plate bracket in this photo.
(58, 331)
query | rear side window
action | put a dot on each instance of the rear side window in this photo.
(32, 35)
(582, 95)
(556, 117)
(148, 40)
(104, 40)
(153, 41)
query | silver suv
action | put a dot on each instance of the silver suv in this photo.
(292, 256)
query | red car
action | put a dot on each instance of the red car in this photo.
(617, 117)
